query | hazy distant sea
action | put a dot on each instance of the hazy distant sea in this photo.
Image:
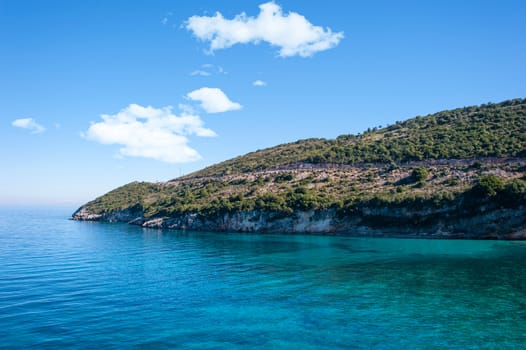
(66, 284)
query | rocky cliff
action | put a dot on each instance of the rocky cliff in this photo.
(493, 224)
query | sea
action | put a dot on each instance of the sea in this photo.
(84, 285)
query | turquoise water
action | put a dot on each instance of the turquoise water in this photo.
(66, 284)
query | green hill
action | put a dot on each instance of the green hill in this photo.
(490, 130)
(463, 162)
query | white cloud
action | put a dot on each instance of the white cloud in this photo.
(259, 83)
(186, 109)
(166, 18)
(292, 32)
(213, 100)
(29, 124)
(150, 132)
(202, 73)
(208, 69)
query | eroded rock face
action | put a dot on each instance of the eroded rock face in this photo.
(83, 214)
(495, 224)
(127, 215)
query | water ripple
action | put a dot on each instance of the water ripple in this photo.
(67, 284)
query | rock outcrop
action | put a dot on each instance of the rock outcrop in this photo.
(494, 224)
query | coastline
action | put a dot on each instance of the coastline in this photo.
(506, 224)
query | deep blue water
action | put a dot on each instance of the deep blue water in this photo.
(66, 284)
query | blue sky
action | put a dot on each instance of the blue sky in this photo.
(324, 69)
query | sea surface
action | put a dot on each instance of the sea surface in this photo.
(81, 285)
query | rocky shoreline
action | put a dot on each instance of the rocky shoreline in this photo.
(508, 224)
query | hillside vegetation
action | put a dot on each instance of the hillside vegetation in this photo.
(457, 162)
(490, 130)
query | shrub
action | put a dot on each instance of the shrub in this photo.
(419, 174)
(489, 185)
(513, 194)
(284, 177)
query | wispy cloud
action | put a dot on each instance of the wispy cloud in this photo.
(202, 73)
(292, 32)
(213, 100)
(208, 69)
(259, 83)
(150, 132)
(29, 124)
(166, 18)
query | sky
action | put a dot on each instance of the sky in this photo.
(96, 94)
